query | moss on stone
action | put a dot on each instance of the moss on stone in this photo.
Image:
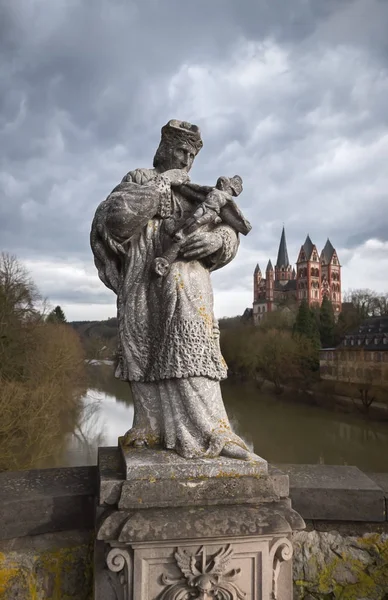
(56, 574)
(364, 580)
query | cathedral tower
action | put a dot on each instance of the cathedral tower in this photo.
(257, 277)
(308, 273)
(269, 281)
(283, 269)
(331, 276)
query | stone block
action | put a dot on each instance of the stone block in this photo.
(161, 478)
(47, 500)
(205, 528)
(111, 475)
(334, 493)
(381, 479)
(144, 464)
(242, 567)
(192, 522)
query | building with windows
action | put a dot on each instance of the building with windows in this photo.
(361, 357)
(316, 275)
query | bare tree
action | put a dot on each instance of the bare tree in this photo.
(367, 302)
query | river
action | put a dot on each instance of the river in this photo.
(281, 430)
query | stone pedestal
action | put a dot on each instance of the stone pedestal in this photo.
(171, 529)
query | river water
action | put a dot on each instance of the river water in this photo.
(281, 430)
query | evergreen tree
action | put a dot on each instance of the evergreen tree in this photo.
(303, 324)
(327, 324)
(306, 325)
(56, 316)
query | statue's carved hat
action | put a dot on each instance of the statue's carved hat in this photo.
(182, 131)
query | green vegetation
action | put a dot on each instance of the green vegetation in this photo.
(41, 372)
(271, 352)
(284, 348)
(56, 316)
(327, 324)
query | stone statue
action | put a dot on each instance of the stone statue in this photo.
(155, 240)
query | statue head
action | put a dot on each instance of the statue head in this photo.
(180, 143)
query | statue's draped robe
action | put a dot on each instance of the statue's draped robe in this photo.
(168, 336)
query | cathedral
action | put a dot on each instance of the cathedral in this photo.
(316, 275)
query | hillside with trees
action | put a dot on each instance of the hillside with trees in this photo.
(42, 372)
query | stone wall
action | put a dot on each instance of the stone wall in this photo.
(46, 534)
(47, 521)
(348, 561)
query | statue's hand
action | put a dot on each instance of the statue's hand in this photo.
(176, 176)
(201, 244)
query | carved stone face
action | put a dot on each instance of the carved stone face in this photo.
(175, 156)
(182, 157)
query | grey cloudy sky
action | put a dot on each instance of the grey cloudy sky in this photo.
(290, 95)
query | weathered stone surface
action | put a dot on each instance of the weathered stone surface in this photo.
(158, 478)
(331, 565)
(47, 500)
(111, 475)
(47, 566)
(172, 233)
(381, 479)
(204, 492)
(334, 493)
(162, 478)
(143, 464)
(155, 524)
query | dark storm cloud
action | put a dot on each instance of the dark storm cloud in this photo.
(291, 95)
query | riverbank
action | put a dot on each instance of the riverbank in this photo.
(321, 395)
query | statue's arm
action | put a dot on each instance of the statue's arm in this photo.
(228, 249)
(131, 206)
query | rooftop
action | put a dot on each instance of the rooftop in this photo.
(372, 334)
(282, 260)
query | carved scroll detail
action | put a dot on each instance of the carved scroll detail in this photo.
(281, 551)
(119, 561)
(206, 581)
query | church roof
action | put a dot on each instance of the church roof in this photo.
(286, 287)
(257, 269)
(308, 247)
(328, 251)
(282, 260)
(269, 266)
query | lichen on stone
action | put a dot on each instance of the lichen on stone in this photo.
(329, 566)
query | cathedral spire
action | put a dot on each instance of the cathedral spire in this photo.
(327, 252)
(282, 260)
(308, 247)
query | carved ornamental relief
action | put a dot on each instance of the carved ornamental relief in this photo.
(207, 581)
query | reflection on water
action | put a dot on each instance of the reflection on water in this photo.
(280, 430)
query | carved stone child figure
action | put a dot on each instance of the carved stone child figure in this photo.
(207, 212)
